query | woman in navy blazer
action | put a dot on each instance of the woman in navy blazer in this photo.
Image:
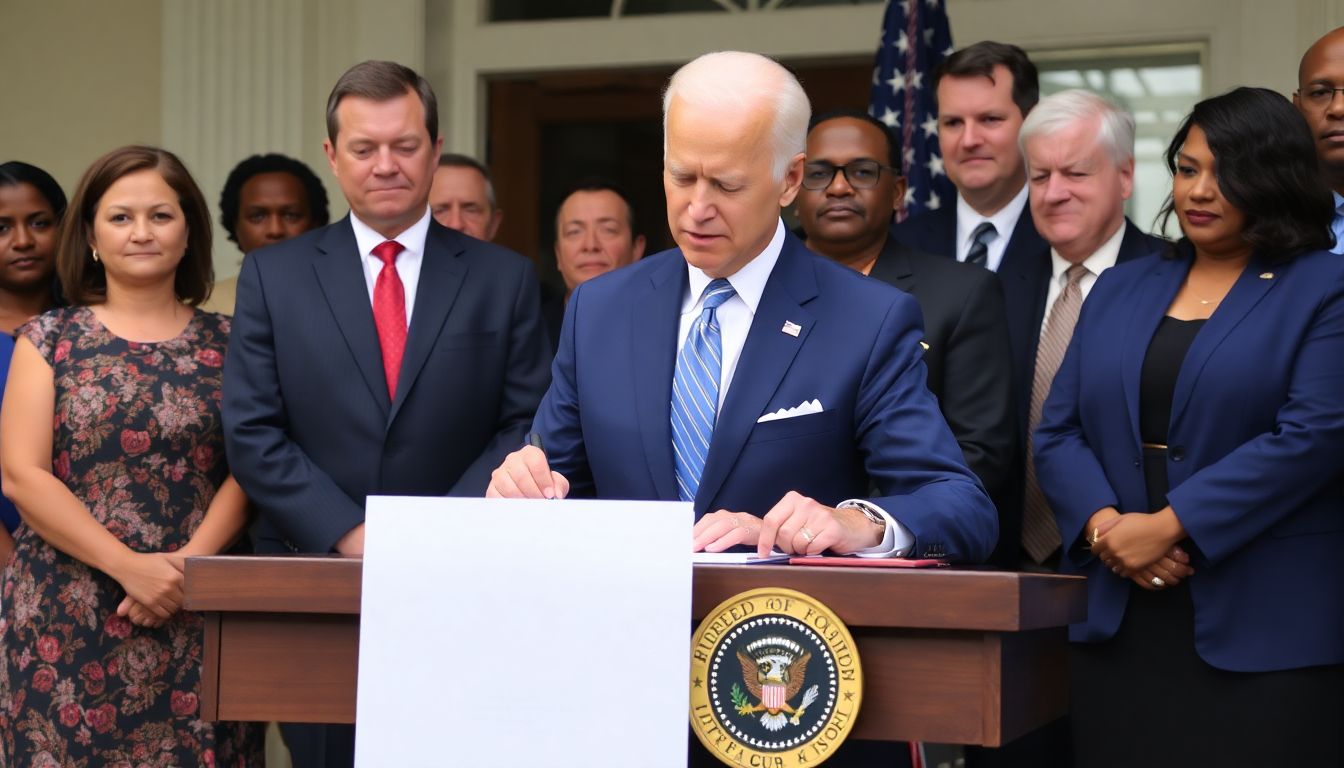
(1191, 449)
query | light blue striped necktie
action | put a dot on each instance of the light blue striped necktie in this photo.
(695, 391)
(1337, 226)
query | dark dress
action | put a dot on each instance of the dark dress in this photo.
(1145, 697)
(138, 440)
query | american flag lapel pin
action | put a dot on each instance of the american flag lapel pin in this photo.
(791, 328)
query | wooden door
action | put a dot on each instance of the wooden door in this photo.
(548, 131)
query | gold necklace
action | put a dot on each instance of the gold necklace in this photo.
(1203, 302)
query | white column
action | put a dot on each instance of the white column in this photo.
(232, 87)
(243, 77)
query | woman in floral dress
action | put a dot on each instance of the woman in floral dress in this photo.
(99, 666)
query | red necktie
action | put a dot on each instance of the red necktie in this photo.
(389, 312)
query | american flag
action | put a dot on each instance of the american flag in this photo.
(915, 38)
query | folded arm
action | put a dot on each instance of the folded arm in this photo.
(48, 506)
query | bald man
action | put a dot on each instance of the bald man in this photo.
(771, 388)
(1320, 99)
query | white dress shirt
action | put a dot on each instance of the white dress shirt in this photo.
(408, 262)
(1100, 261)
(1004, 221)
(734, 317)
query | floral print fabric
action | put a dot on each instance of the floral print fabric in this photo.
(137, 438)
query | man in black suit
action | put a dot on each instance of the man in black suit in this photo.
(382, 354)
(1319, 75)
(850, 187)
(594, 233)
(984, 93)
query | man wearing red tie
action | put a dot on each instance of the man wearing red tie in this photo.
(382, 354)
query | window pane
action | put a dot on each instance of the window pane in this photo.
(534, 10)
(531, 10)
(1159, 91)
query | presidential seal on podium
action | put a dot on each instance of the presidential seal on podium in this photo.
(775, 680)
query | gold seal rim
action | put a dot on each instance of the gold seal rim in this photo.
(741, 752)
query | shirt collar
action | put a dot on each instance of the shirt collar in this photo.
(412, 238)
(1004, 220)
(1101, 260)
(1339, 202)
(748, 282)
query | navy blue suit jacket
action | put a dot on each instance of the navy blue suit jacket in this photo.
(309, 426)
(1024, 274)
(605, 419)
(1256, 439)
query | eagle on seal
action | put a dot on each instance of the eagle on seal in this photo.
(774, 669)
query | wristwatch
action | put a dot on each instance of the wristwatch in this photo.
(869, 511)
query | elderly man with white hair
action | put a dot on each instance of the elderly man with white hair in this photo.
(739, 371)
(1079, 151)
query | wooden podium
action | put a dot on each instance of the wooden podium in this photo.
(949, 656)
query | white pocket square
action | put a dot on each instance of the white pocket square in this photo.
(803, 409)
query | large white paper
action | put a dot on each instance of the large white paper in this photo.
(506, 633)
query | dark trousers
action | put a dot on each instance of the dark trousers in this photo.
(854, 753)
(320, 746)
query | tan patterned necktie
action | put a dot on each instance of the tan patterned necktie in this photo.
(1040, 534)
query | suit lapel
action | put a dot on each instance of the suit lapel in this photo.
(893, 266)
(655, 317)
(1155, 293)
(441, 276)
(1026, 280)
(1025, 241)
(1135, 244)
(1249, 289)
(340, 274)
(766, 357)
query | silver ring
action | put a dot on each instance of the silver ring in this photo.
(1116, 569)
(808, 535)
(1157, 582)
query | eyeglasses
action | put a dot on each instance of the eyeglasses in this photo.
(1318, 96)
(860, 174)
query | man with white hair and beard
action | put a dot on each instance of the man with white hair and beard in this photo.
(671, 373)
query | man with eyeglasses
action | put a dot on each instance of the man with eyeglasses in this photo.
(850, 188)
(1320, 80)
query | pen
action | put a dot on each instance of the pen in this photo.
(534, 440)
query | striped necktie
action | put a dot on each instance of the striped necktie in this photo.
(1040, 533)
(695, 391)
(979, 253)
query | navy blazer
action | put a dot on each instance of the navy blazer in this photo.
(1256, 439)
(605, 419)
(309, 426)
(1024, 274)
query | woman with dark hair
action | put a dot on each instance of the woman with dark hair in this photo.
(113, 452)
(1191, 451)
(31, 207)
